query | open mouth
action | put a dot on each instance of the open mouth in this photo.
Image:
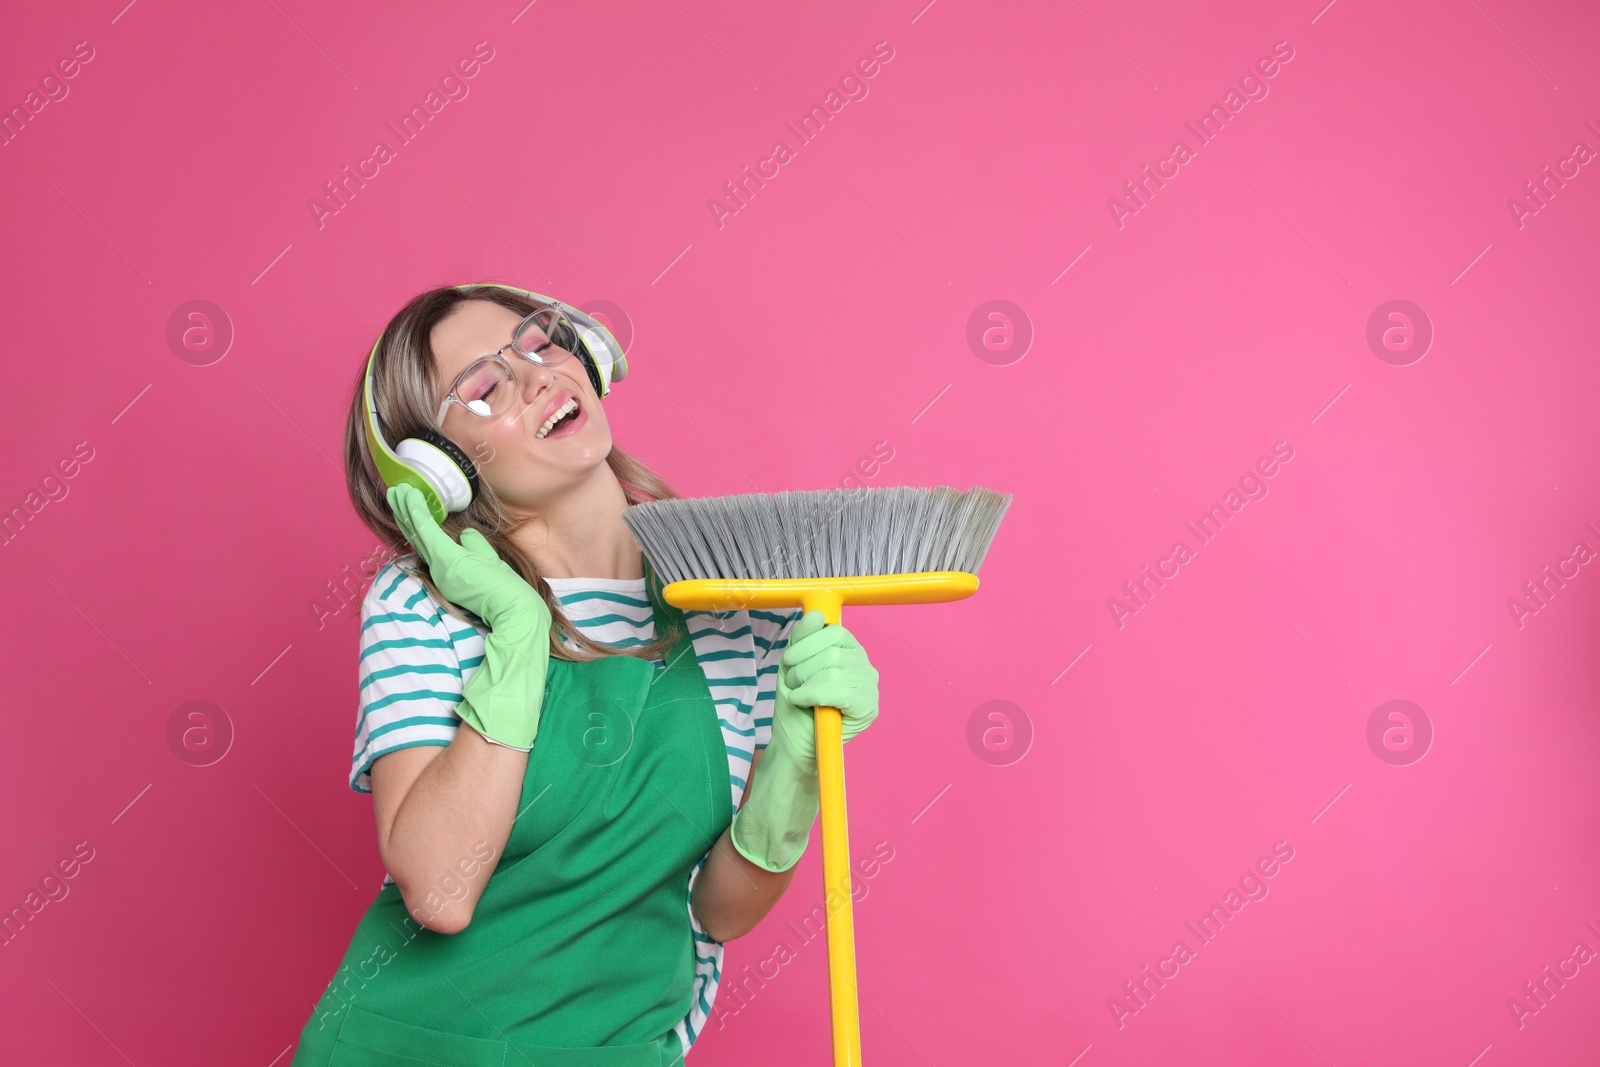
(564, 418)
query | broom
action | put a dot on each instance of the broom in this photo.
(822, 549)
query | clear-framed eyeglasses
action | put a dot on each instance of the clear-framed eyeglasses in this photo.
(486, 389)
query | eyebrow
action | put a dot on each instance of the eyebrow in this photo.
(474, 362)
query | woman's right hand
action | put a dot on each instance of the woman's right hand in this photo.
(505, 695)
(471, 573)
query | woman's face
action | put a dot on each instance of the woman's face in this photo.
(524, 469)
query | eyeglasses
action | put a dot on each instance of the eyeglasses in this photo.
(486, 388)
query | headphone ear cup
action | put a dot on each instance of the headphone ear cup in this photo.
(468, 469)
(607, 365)
(595, 378)
(440, 468)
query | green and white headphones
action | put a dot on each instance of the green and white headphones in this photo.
(436, 465)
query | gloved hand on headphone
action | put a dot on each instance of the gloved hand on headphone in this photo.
(826, 665)
(503, 698)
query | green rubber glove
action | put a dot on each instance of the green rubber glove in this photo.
(504, 696)
(821, 665)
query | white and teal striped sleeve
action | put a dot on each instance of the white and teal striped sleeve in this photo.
(410, 671)
(769, 632)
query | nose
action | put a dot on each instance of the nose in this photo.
(533, 378)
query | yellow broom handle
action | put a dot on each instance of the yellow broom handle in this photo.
(836, 862)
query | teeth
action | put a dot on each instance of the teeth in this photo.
(556, 416)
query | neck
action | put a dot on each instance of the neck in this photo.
(580, 534)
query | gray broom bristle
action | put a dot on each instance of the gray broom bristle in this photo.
(818, 533)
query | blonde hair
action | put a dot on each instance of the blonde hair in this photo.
(403, 396)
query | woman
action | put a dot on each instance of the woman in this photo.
(631, 790)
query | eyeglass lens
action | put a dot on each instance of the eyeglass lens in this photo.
(543, 331)
(545, 337)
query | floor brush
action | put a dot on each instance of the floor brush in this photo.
(822, 549)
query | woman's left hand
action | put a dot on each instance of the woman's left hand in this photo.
(822, 665)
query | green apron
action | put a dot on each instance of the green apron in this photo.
(579, 952)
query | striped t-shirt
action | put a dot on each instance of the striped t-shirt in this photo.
(416, 658)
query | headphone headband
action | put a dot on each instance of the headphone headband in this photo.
(436, 465)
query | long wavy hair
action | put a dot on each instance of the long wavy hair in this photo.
(403, 395)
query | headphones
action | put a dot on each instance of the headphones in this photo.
(440, 468)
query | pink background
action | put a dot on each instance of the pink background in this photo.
(826, 319)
